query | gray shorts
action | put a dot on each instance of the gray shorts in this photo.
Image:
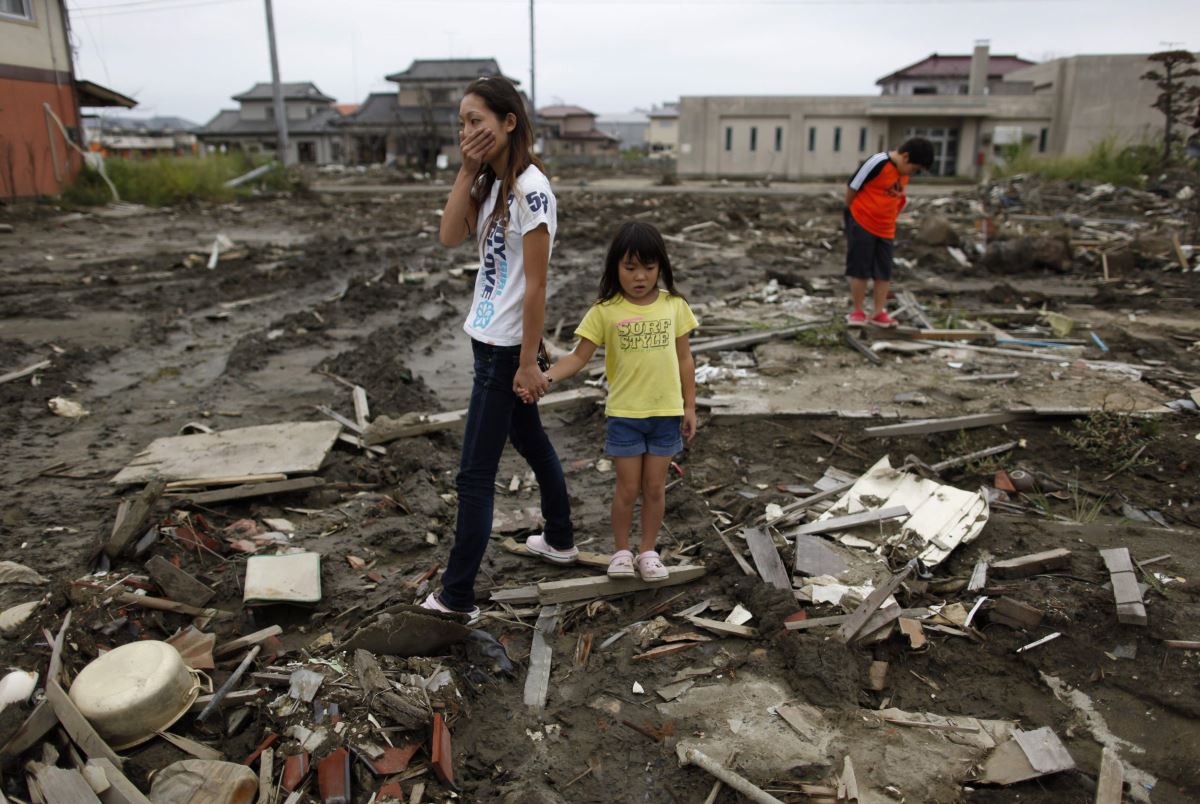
(867, 256)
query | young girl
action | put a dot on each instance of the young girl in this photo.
(643, 324)
(502, 197)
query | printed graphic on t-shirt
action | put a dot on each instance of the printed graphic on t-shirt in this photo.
(537, 201)
(638, 334)
(495, 273)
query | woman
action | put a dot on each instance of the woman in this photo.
(502, 197)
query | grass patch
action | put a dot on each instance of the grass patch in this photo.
(172, 180)
(1106, 162)
(1113, 439)
(987, 465)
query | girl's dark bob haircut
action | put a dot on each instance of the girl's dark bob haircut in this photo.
(643, 241)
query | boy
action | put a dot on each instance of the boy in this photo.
(874, 198)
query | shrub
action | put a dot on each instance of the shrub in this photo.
(170, 180)
(1106, 162)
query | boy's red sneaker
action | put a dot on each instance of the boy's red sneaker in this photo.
(882, 319)
(856, 319)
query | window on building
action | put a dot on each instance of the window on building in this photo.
(1045, 135)
(924, 90)
(837, 138)
(778, 138)
(812, 138)
(753, 138)
(728, 138)
(22, 9)
(862, 139)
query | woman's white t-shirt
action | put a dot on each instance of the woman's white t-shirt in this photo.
(497, 307)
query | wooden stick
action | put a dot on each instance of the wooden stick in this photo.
(693, 756)
(244, 642)
(147, 602)
(362, 411)
(229, 684)
(25, 372)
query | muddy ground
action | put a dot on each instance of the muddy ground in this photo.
(354, 285)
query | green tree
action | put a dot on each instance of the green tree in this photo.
(1177, 99)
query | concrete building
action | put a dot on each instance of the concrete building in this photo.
(629, 129)
(663, 136)
(1064, 106)
(312, 137)
(417, 124)
(38, 92)
(571, 131)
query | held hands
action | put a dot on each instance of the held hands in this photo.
(475, 147)
(688, 428)
(530, 384)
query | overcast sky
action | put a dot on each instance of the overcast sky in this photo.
(187, 57)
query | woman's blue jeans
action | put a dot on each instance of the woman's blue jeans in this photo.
(496, 415)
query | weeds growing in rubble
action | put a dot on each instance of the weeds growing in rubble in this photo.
(987, 465)
(1106, 162)
(828, 335)
(170, 180)
(1111, 438)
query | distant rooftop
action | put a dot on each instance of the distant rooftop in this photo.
(448, 70)
(941, 66)
(563, 111)
(298, 90)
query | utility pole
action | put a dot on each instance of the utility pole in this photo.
(532, 71)
(281, 132)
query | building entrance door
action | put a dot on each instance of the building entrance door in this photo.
(945, 147)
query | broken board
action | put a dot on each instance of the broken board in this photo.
(766, 559)
(814, 557)
(287, 448)
(537, 682)
(603, 586)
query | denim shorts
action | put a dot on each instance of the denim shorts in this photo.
(656, 435)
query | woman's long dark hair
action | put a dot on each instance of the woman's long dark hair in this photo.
(502, 98)
(643, 241)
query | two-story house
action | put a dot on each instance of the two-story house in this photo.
(312, 136)
(418, 123)
(571, 131)
(40, 99)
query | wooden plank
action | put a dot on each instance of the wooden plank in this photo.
(63, 786)
(949, 334)
(723, 628)
(519, 595)
(978, 577)
(25, 372)
(385, 429)
(39, 723)
(1034, 564)
(178, 585)
(77, 725)
(1117, 559)
(766, 559)
(254, 490)
(537, 681)
(1110, 784)
(864, 350)
(287, 448)
(815, 557)
(839, 619)
(121, 790)
(133, 522)
(244, 642)
(848, 521)
(603, 586)
(237, 480)
(925, 426)
(732, 342)
(858, 619)
(1125, 588)
(1174, 644)
(148, 602)
(913, 631)
(586, 559)
(362, 411)
(1015, 614)
(235, 698)
(737, 554)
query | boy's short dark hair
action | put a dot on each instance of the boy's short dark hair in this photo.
(919, 150)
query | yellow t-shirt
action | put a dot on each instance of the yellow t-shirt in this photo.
(639, 353)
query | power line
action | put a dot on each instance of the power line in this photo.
(147, 9)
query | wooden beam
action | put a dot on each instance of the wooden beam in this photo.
(858, 619)
(1126, 592)
(925, 426)
(603, 586)
(837, 523)
(254, 490)
(1034, 564)
(723, 628)
(537, 681)
(766, 559)
(385, 429)
(25, 372)
(731, 342)
(77, 726)
(256, 638)
(1110, 784)
(178, 585)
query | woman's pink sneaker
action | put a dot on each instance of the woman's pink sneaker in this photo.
(882, 319)
(856, 319)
